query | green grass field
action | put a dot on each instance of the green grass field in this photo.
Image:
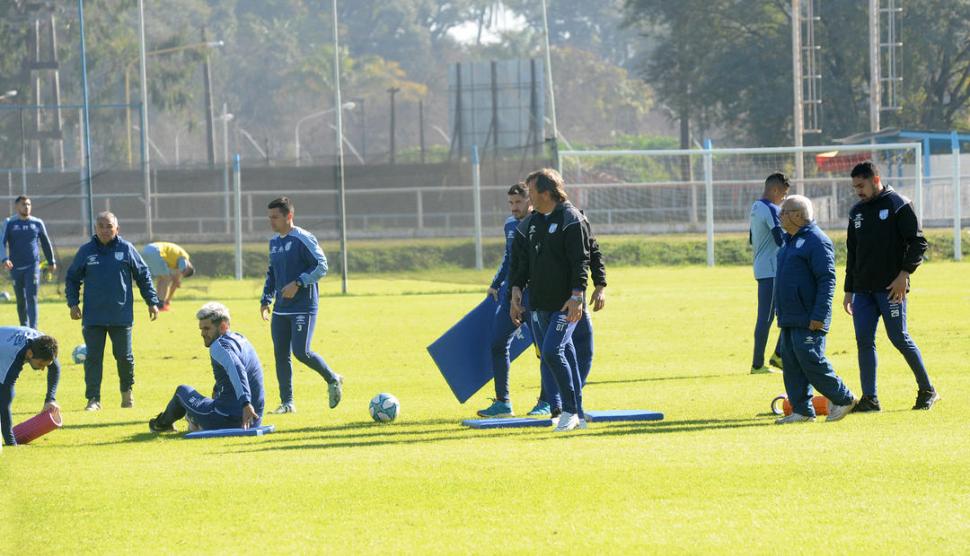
(715, 477)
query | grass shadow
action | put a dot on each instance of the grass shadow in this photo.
(684, 425)
(104, 425)
(658, 379)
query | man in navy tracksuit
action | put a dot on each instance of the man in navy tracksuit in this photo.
(20, 345)
(296, 263)
(550, 255)
(106, 266)
(885, 245)
(804, 288)
(503, 329)
(22, 235)
(237, 398)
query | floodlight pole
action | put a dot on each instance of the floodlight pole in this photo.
(146, 152)
(340, 152)
(798, 116)
(87, 119)
(552, 94)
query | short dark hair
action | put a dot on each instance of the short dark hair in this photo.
(520, 189)
(549, 180)
(865, 170)
(283, 203)
(778, 180)
(189, 270)
(44, 348)
(21, 198)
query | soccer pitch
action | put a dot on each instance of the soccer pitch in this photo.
(715, 476)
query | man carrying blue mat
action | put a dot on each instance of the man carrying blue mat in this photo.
(237, 399)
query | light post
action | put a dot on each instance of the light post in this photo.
(296, 130)
(225, 118)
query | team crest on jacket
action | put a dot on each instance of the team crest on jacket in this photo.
(552, 228)
(883, 214)
(119, 256)
(799, 242)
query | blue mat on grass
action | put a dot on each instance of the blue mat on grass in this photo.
(221, 433)
(463, 353)
(615, 415)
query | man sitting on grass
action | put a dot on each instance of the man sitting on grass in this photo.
(237, 398)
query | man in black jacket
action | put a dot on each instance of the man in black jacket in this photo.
(550, 255)
(885, 245)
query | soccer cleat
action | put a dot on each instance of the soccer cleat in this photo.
(837, 412)
(766, 370)
(335, 390)
(288, 407)
(127, 399)
(541, 409)
(155, 425)
(497, 409)
(794, 418)
(567, 422)
(93, 405)
(867, 404)
(925, 399)
(777, 362)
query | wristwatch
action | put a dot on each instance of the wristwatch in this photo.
(576, 298)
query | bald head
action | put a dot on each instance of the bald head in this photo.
(796, 212)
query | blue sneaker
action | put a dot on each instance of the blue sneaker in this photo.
(497, 409)
(541, 409)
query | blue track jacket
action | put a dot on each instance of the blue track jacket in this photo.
(805, 280)
(107, 272)
(238, 374)
(294, 257)
(20, 242)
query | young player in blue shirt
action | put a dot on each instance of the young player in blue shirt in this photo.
(237, 398)
(20, 345)
(296, 263)
(24, 236)
(765, 236)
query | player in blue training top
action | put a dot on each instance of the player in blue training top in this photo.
(22, 234)
(296, 263)
(237, 397)
(503, 328)
(765, 235)
(19, 345)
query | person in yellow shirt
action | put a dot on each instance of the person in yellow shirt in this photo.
(169, 264)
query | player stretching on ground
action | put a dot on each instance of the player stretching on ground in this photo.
(19, 345)
(169, 264)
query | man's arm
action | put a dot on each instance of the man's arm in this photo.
(315, 256)
(3, 240)
(503, 269)
(822, 260)
(6, 427)
(74, 277)
(53, 379)
(576, 237)
(915, 242)
(46, 245)
(235, 370)
(519, 262)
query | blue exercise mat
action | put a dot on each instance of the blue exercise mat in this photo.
(505, 423)
(623, 415)
(615, 416)
(220, 433)
(463, 353)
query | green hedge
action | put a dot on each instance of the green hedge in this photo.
(402, 256)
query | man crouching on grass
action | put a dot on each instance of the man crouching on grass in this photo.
(804, 288)
(237, 398)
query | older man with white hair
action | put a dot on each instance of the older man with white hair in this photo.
(237, 398)
(804, 289)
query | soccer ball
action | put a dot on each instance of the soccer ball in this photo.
(5, 296)
(79, 354)
(384, 408)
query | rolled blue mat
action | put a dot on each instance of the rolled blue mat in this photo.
(221, 433)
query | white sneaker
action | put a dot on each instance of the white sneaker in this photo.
(288, 407)
(837, 412)
(795, 418)
(567, 422)
(335, 390)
